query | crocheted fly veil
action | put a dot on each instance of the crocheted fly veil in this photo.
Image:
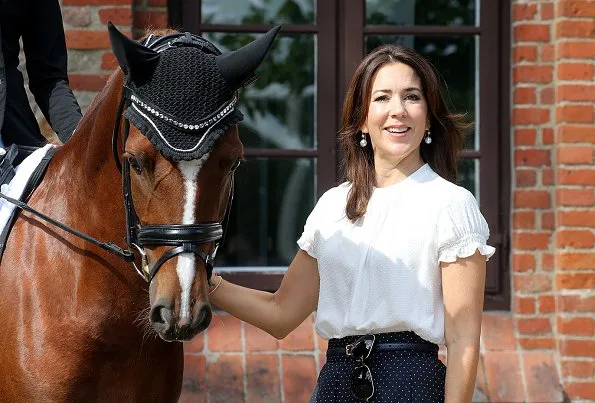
(182, 91)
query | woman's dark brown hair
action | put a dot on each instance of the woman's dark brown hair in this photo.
(448, 129)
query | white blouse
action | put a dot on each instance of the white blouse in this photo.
(382, 273)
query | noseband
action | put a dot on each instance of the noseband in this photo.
(184, 238)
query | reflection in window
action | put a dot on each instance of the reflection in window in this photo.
(468, 175)
(279, 107)
(258, 11)
(273, 198)
(421, 12)
(455, 60)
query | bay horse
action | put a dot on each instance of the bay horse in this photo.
(79, 323)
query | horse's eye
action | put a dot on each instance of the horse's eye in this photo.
(236, 165)
(135, 165)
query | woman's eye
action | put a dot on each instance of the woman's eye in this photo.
(381, 98)
(412, 97)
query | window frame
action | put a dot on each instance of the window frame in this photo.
(340, 47)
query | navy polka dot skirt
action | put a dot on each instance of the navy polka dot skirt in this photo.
(398, 375)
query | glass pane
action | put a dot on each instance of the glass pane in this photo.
(468, 175)
(455, 59)
(273, 198)
(279, 107)
(258, 11)
(421, 12)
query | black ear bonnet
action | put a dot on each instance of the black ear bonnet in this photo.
(182, 91)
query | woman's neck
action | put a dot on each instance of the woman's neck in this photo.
(392, 172)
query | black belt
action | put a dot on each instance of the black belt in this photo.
(379, 346)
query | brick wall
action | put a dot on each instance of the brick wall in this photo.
(541, 351)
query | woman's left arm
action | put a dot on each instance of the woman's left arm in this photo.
(463, 284)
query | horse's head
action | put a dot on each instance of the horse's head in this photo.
(179, 156)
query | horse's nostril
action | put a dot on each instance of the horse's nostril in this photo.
(161, 315)
(204, 317)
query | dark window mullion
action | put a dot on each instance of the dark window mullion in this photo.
(257, 28)
(425, 30)
(280, 153)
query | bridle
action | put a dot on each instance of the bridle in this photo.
(184, 238)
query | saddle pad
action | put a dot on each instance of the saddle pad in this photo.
(17, 185)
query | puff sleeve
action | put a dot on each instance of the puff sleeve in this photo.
(310, 239)
(462, 229)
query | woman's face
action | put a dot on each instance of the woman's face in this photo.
(397, 114)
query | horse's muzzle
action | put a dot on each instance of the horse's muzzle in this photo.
(172, 327)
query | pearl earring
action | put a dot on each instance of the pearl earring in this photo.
(428, 137)
(363, 142)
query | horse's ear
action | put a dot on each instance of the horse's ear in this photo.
(238, 67)
(137, 61)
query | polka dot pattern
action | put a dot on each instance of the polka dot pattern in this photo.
(399, 376)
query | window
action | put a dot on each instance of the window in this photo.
(292, 111)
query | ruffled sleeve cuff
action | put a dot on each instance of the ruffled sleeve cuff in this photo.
(308, 246)
(465, 247)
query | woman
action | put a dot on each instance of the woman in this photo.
(394, 259)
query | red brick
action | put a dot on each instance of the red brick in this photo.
(157, 3)
(299, 377)
(547, 96)
(580, 390)
(150, 19)
(531, 241)
(547, 177)
(577, 348)
(524, 53)
(225, 334)
(577, 218)
(575, 114)
(576, 261)
(258, 340)
(533, 325)
(575, 197)
(548, 220)
(576, 176)
(531, 33)
(302, 338)
(547, 304)
(547, 11)
(576, 133)
(576, 8)
(524, 305)
(530, 116)
(541, 376)
(497, 332)
(578, 369)
(108, 61)
(96, 2)
(532, 283)
(576, 92)
(523, 220)
(526, 177)
(262, 373)
(575, 155)
(523, 262)
(575, 29)
(575, 71)
(504, 376)
(532, 157)
(537, 343)
(531, 199)
(575, 281)
(525, 137)
(87, 39)
(523, 11)
(578, 50)
(524, 95)
(575, 239)
(194, 385)
(226, 379)
(117, 15)
(322, 344)
(579, 326)
(77, 17)
(532, 74)
(576, 303)
(87, 82)
(547, 53)
(547, 261)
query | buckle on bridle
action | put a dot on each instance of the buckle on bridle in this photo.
(145, 270)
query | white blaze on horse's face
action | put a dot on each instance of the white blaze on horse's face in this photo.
(186, 261)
